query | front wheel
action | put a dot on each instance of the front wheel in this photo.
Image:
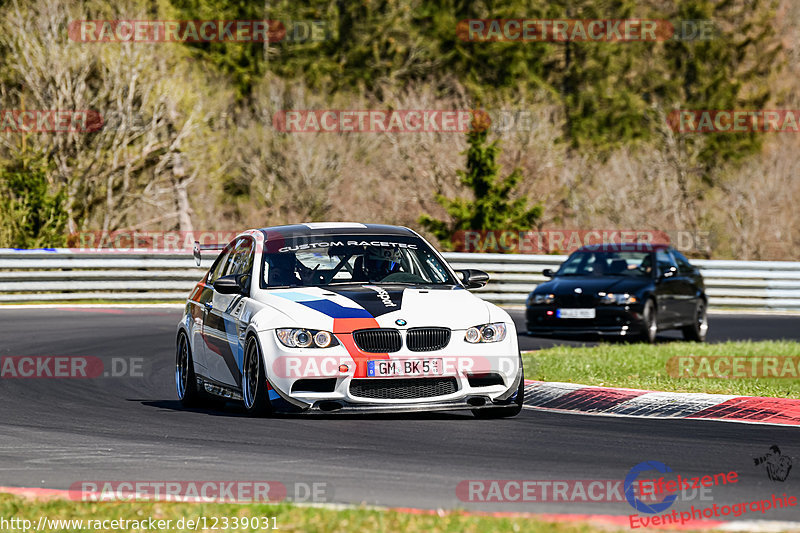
(650, 323)
(699, 328)
(254, 381)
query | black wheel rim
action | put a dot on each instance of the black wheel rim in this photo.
(182, 367)
(250, 381)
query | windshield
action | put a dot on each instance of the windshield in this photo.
(341, 259)
(620, 263)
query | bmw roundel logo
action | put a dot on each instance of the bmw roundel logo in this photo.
(578, 290)
(400, 322)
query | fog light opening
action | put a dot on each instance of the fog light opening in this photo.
(476, 401)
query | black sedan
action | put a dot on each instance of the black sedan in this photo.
(622, 290)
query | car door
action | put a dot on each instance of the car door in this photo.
(202, 301)
(223, 328)
(667, 288)
(686, 288)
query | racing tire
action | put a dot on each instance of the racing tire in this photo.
(506, 411)
(699, 328)
(255, 395)
(185, 379)
(649, 322)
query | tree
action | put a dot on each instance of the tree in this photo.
(32, 211)
(492, 207)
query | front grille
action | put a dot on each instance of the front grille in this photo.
(402, 389)
(576, 300)
(378, 340)
(427, 339)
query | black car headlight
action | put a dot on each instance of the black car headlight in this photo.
(494, 332)
(616, 298)
(305, 338)
(544, 298)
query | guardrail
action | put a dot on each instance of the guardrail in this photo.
(61, 275)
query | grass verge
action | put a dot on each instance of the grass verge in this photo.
(643, 366)
(287, 518)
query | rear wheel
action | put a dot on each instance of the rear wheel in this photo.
(698, 329)
(650, 322)
(254, 381)
(507, 411)
(185, 379)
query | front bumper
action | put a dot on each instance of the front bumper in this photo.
(609, 321)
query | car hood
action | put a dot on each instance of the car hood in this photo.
(333, 308)
(592, 284)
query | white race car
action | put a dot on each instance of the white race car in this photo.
(345, 317)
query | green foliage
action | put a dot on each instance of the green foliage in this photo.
(492, 207)
(32, 213)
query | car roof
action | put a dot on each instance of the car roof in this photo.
(626, 247)
(313, 229)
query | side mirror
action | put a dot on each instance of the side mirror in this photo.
(548, 273)
(671, 271)
(230, 285)
(474, 279)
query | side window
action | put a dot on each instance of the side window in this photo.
(241, 258)
(665, 261)
(683, 264)
(219, 265)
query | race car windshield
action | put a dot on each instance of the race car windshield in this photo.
(342, 259)
(617, 263)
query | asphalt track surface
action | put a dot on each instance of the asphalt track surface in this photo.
(56, 432)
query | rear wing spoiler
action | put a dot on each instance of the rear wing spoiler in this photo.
(199, 247)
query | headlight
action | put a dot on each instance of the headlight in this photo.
(494, 332)
(305, 338)
(618, 298)
(544, 298)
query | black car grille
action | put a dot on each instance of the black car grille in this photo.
(575, 300)
(427, 339)
(402, 389)
(378, 340)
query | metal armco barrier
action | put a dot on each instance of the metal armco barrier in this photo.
(62, 275)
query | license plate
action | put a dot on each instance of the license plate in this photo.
(575, 313)
(404, 367)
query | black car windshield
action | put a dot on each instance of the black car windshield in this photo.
(339, 259)
(608, 263)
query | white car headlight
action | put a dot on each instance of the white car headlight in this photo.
(616, 298)
(305, 338)
(494, 332)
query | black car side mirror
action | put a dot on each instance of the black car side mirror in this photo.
(474, 279)
(548, 273)
(230, 285)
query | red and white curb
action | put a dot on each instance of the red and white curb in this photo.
(605, 521)
(607, 401)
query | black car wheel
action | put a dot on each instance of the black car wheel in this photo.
(699, 328)
(185, 380)
(649, 322)
(254, 381)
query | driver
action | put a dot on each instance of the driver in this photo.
(380, 262)
(281, 269)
